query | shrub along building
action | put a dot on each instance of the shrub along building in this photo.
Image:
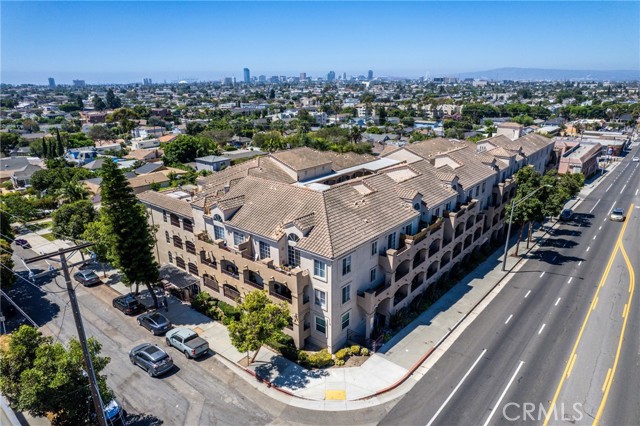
(346, 240)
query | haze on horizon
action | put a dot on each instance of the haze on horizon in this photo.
(121, 42)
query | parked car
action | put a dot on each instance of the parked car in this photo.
(635, 159)
(155, 322)
(617, 215)
(566, 214)
(23, 243)
(151, 358)
(87, 277)
(188, 342)
(128, 304)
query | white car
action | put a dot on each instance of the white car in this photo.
(635, 159)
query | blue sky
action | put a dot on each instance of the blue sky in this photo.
(126, 41)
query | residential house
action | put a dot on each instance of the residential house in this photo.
(212, 163)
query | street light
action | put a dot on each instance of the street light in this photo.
(513, 206)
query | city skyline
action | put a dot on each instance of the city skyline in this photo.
(394, 40)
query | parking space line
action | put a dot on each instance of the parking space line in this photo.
(508, 319)
(557, 301)
(527, 295)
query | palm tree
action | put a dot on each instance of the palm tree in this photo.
(73, 191)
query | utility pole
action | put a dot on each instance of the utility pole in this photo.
(93, 383)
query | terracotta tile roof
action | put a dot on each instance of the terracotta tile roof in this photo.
(142, 180)
(301, 158)
(431, 147)
(164, 202)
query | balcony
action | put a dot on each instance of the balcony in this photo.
(400, 295)
(228, 268)
(211, 282)
(204, 236)
(280, 291)
(459, 230)
(434, 248)
(230, 292)
(253, 279)
(402, 270)
(206, 261)
(419, 258)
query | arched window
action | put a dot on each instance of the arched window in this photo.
(177, 241)
(293, 239)
(191, 248)
(193, 269)
(217, 218)
(166, 235)
(170, 257)
(180, 262)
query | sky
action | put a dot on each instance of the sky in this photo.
(121, 42)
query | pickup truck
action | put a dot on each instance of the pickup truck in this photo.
(187, 341)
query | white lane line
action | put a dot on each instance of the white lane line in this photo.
(636, 192)
(543, 272)
(600, 228)
(588, 248)
(554, 259)
(594, 237)
(580, 263)
(594, 206)
(541, 328)
(607, 190)
(456, 388)
(612, 206)
(569, 282)
(557, 301)
(527, 295)
(508, 319)
(625, 185)
(495, 407)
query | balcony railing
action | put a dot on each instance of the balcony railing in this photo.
(204, 236)
(231, 273)
(231, 292)
(280, 296)
(252, 282)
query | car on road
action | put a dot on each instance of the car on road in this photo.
(635, 159)
(87, 277)
(151, 358)
(155, 322)
(188, 342)
(23, 243)
(617, 215)
(566, 214)
(128, 304)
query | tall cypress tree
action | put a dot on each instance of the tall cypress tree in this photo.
(52, 150)
(45, 149)
(59, 146)
(133, 237)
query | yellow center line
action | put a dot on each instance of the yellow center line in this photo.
(584, 323)
(606, 380)
(624, 311)
(594, 304)
(573, 361)
(632, 285)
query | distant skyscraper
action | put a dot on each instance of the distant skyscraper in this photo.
(79, 83)
(344, 75)
(331, 76)
(247, 75)
(228, 81)
(262, 78)
(52, 82)
(303, 76)
(370, 75)
(147, 81)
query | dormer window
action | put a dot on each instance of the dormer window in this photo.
(217, 218)
(293, 239)
(416, 206)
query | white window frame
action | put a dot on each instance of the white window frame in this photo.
(319, 269)
(262, 246)
(238, 238)
(342, 321)
(347, 293)
(374, 248)
(323, 324)
(346, 265)
(293, 256)
(320, 298)
(217, 229)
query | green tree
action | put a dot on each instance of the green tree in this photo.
(8, 141)
(59, 144)
(42, 377)
(260, 320)
(112, 100)
(6, 275)
(132, 234)
(30, 125)
(382, 115)
(72, 219)
(99, 232)
(187, 148)
(98, 103)
(72, 191)
(45, 148)
(529, 210)
(100, 133)
(18, 206)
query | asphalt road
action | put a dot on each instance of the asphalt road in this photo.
(507, 366)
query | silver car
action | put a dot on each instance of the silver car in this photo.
(617, 215)
(155, 322)
(151, 358)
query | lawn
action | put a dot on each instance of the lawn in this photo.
(49, 236)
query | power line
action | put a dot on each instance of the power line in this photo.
(30, 282)
(26, 225)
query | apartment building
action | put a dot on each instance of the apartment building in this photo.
(345, 240)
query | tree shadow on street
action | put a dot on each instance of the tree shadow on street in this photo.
(283, 373)
(32, 299)
(143, 420)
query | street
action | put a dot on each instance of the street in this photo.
(554, 337)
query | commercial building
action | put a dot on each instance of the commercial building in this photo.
(345, 240)
(579, 157)
(79, 83)
(370, 75)
(331, 76)
(247, 75)
(52, 82)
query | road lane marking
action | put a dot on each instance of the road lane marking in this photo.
(557, 301)
(594, 237)
(527, 295)
(594, 206)
(600, 228)
(625, 185)
(637, 191)
(570, 278)
(624, 311)
(554, 259)
(632, 286)
(593, 307)
(580, 263)
(605, 274)
(504, 392)
(588, 248)
(456, 388)
(612, 206)
(508, 319)
(607, 190)
(570, 365)
(541, 328)
(606, 380)
(542, 274)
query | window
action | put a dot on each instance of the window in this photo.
(293, 239)
(416, 206)
(187, 225)
(483, 186)
(346, 265)
(293, 256)
(166, 235)
(265, 250)
(345, 320)
(321, 298)
(170, 257)
(177, 242)
(408, 230)
(190, 246)
(238, 238)
(477, 190)
(180, 262)
(372, 275)
(319, 269)
(217, 218)
(391, 240)
(374, 248)
(437, 213)
(218, 232)
(193, 269)
(346, 293)
(164, 215)
(321, 325)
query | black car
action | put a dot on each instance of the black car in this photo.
(87, 277)
(128, 304)
(155, 322)
(151, 358)
(22, 243)
(566, 214)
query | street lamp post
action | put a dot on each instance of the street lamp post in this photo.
(513, 206)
